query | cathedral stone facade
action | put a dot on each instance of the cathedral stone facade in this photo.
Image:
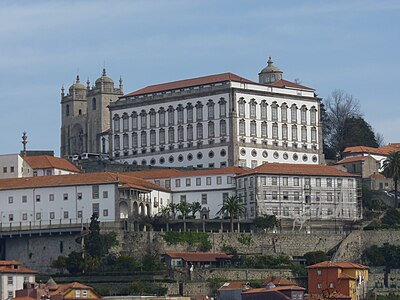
(85, 115)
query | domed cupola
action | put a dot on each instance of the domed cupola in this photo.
(104, 80)
(270, 73)
(76, 86)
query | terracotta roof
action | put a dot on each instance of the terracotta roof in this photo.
(385, 150)
(377, 175)
(288, 84)
(21, 270)
(298, 169)
(277, 281)
(50, 162)
(352, 159)
(288, 287)
(239, 285)
(188, 83)
(77, 179)
(332, 264)
(9, 262)
(199, 256)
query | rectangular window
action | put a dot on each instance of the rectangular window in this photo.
(105, 212)
(52, 215)
(339, 182)
(95, 192)
(329, 182)
(38, 216)
(296, 181)
(24, 216)
(105, 194)
(190, 115)
(208, 180)
(80, 214)
(84, 293)
(65, 196)
(219, 180)
(285, 195)
(153, 119)
(96, 208)
(296, 196)
(37, 198)
(318, 182)
(10, 294)
(51, 197)
(183, 198)
(222, 109)
(203, 198)
(199, 113)
(198, 181)
(77, 293)
(285, 181)
(162, 118)
(10, 217)
(263, 180)
(24, 199)
(4, 169)
(264, 128)
(274, 195)
(66, 215)
(317, 196)
(274, 180)
(177, 183)
(188, 181)
(143, 121)
(329, 196)
(10, 199)
(254, 164)
(229, 180)
(10, 280)
(168, 183)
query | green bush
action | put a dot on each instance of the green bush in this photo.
(145, 288)
(315, 257)
(245, 239)
(228, 249)
(152, 263)
(266, 262)
(387, 255)
(190, 238)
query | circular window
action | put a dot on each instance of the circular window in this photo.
(314, 158)
(285, 156)
(162, 160)
(305, 158)
(276, 155)
(134, 163)
(223, 152)
(144, 162)
(171, 159)
(243, 152)
(199, 155)
(190, 156)
(211, 154)
(254, 153)
(153, 161)
(180, 158)
(295, 157)
(265, 154)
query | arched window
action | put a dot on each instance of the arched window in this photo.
(284, 132)
(161, 116)
(304, 133)
(313, 135)
(152, 137)
(116, 123)
(222, 107)
(211, 129)
(263, 107)
(152, 114)
(134, 120)
(189, 112)
(143, 139)
(125, 122)
(264, 130)
(253, 108)
(253, 128)
(222, 128)
(134, 140)
(162, 136)
(303, 114)
(180, 133)
(242, 127)
(242, 102)
(94, 104)
(293, 110)
(67, 110)
(274, 111)
(190, 132)
(274, 131)
(171, 116)
(199, 111)
(294, 133)
(180, 114)
(199, 131)
(171, 135)
(284, 112)
(210, 105)
(143, 120)
(313, 116)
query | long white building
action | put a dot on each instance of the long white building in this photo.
(299, 191)
(217, 121)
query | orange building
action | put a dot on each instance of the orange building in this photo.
(332, 278)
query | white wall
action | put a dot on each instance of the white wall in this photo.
(18, 283)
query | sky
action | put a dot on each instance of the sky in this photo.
(349, 45)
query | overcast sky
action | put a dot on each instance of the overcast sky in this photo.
(350, 45)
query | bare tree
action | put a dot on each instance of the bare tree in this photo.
(379, 139)
(339, 107)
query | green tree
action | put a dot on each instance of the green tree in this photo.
(195, 207)
(232, 208)
(75, 262)
(315, 257)
(357, 132)
(60, 264)
(97, 245)
(391, 169)
(265, 222)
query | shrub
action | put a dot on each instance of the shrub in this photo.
(245, 239)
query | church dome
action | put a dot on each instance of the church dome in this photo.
(104, 78)
(270, 68)
(77, 85)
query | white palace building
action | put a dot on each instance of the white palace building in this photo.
(217, 121)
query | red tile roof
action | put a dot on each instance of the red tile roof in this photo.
(385, 150)
(188, 83)
(277, 288)
(377, 175)
(78, 179)
(7, 266)
(288, 84)
(332, 264)
(352, 159)
(198, 256)
(298, 169)
(9, 262)
(50, 162)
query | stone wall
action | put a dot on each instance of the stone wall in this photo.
(239, 274)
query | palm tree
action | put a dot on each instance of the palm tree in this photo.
(184, 209)
(233, 208)
(391, 169)
(173, 207)
(195, 206)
